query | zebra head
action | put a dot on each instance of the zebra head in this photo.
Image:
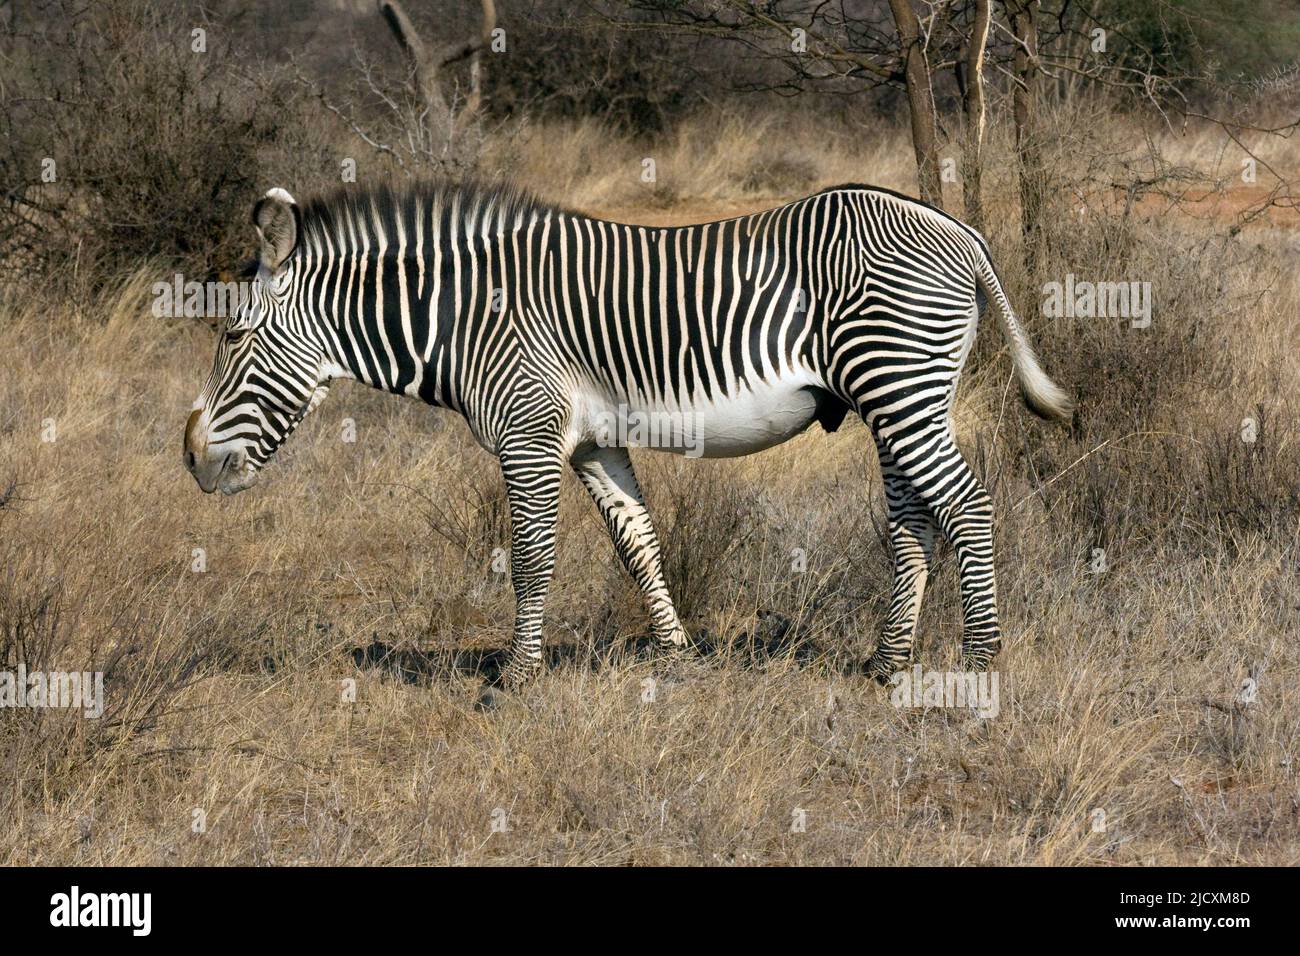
(271, 366)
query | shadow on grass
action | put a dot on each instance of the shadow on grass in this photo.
(775, 638)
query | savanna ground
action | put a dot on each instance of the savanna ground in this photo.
(1147, 559)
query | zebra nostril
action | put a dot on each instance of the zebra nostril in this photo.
(189, 461)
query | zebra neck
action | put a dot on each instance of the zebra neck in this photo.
(398, 331)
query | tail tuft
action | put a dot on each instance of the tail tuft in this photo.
(1043, 397)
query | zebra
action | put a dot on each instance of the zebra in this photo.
(540, 326)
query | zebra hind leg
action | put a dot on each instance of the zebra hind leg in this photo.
(940, 477)
(912, 532)
(532, 477)
(608, 477)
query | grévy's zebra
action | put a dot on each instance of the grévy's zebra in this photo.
(542, 327)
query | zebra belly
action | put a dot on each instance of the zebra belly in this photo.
(726, 426)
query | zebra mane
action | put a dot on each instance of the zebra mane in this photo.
(426, 207)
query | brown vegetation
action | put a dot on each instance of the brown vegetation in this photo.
(372, 562)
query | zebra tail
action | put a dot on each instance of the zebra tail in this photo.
(1042, 396)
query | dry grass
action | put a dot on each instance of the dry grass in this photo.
(372, 562)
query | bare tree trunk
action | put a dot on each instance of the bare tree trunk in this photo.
(426, 69)
(972, 194)
(444, 125)
(475, 100)
(1024, 104)
(920, 101)
(1069, 82)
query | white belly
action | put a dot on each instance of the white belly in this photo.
(754, 419)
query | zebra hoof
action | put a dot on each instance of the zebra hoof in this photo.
(658, 650)
(977, 656)
(515, 679)
(510, 675)
(881, 669)
(668, 651)
(674, 641)
(977, 662)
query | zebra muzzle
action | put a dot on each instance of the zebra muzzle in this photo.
(218, 471)
(212, 468)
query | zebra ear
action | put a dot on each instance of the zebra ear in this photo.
(276, 219)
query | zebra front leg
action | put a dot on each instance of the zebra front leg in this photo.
(533, 488)
(911, 537)
(608, 476)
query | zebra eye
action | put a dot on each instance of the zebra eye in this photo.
(234, 335)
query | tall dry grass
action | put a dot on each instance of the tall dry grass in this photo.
(372, 562)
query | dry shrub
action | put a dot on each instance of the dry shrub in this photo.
(731, 156)
(1156, 446)
(156, 148)
(710, 520)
